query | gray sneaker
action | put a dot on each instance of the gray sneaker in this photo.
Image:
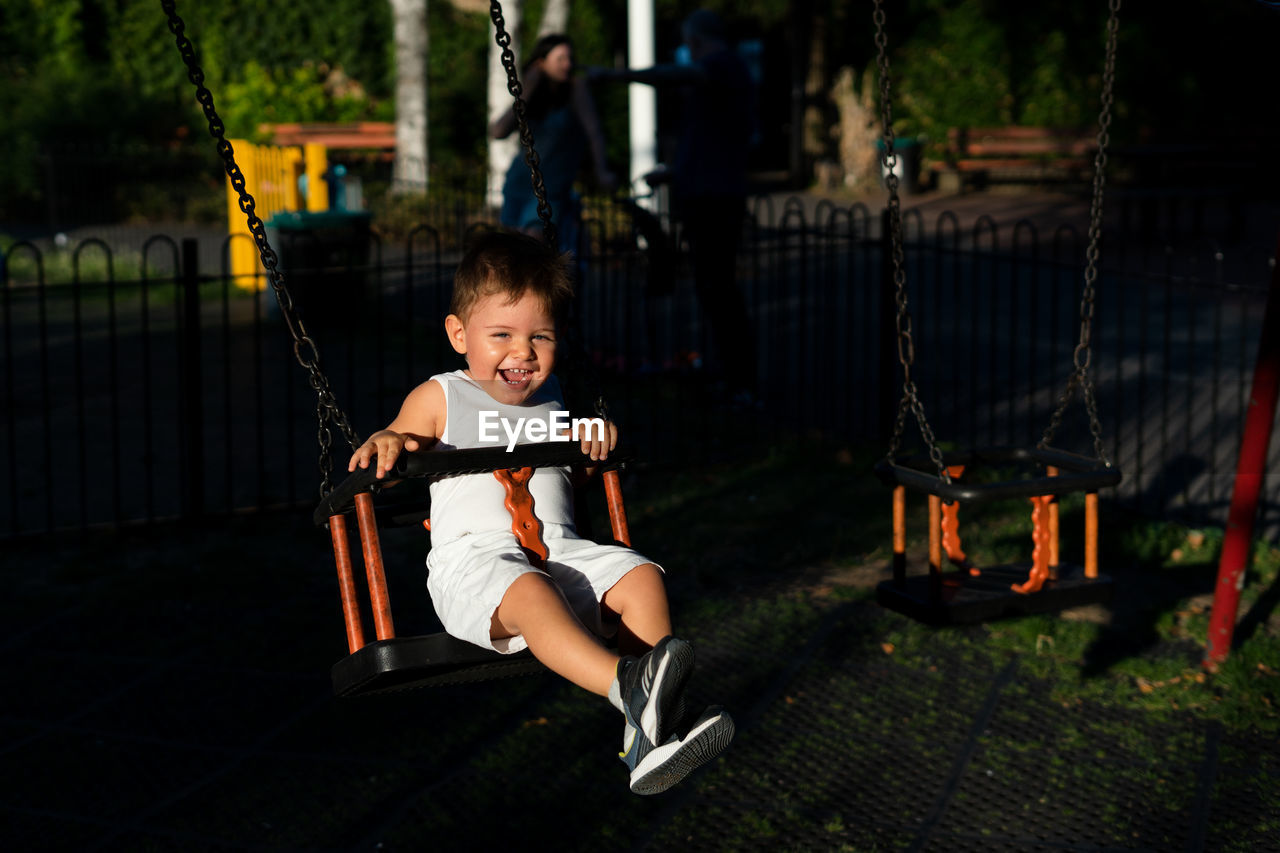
(652, 688)
(654, 769)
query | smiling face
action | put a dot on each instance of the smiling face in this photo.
(510, 346)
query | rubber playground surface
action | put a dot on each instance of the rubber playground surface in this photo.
(169, 690)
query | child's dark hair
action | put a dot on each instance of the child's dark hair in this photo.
(512, 264)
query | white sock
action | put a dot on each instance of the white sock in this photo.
(615, 691)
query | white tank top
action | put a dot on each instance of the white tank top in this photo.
(472, 503)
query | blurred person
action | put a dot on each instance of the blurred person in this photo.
(565, 125)
(708, 179)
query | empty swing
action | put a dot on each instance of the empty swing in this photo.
(972, 593)
(390, 663)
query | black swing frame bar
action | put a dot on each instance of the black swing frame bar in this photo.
(1086, 474)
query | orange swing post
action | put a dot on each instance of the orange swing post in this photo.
(371, 545)
(900, 535)
(1055, 554)
(346, 582)
(617, 512)
(935, 541)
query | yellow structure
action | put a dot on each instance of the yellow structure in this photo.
(271, 175)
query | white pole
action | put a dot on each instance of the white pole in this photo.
(643, 99)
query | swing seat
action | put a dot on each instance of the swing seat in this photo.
(433, 660)
(976, 594)
(389, 663)
(958, 598)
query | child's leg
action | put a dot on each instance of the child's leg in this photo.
(534, 608)
(639, 600)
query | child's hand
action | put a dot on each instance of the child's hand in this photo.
(598, 448)
(384, 444)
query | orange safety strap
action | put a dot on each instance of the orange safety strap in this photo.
(1040, 535)
(524, 524)
(951, 527)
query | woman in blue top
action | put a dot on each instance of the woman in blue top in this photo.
(565, 125)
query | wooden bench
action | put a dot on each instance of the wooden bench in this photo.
(375, 136)
(1029, 155)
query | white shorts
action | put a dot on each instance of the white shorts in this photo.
(468, 577)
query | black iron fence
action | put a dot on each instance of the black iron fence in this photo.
(150, 387)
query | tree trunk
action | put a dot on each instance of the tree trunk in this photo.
(410, 170)
(857, 131)
(555, 18)
(815, 119)
(501, 151)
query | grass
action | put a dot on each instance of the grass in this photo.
(774, 542)
(1103, 730)
(817, 524)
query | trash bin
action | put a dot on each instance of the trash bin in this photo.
(907, 168)
(324, 257)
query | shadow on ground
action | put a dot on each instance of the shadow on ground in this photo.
(169, 691)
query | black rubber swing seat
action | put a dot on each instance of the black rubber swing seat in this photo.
(959, 597)
(432, 660)
(395, 664)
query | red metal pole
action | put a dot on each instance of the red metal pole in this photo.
(1249, 473)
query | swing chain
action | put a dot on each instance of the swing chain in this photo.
(893, 208)
(503, 39)
(1083, 354)
(304, 348)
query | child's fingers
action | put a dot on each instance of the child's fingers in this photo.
(387, 458)
(597, 449)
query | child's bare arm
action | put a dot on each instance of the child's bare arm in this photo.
(418, 425)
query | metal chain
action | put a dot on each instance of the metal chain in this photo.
(1083, 354)
(304, 348)
(503, 38)
(906, 346)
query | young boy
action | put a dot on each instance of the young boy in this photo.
(509, 293)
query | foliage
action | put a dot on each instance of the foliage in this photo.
(456, 80)
(400, 215)
(92, 71)
(967, 65)
(308, 92)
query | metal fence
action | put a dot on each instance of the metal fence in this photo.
(148, 387)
